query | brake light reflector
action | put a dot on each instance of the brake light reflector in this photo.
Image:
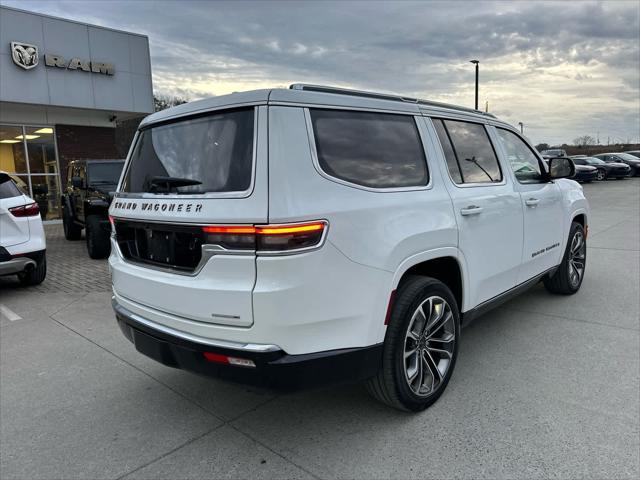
(266, 238)
(30, 210)
(224, 359)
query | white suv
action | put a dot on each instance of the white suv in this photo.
(313, 234)
(22, 240)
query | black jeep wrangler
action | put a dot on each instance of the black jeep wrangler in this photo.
(85, 202)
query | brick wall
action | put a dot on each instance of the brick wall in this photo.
(77, 142)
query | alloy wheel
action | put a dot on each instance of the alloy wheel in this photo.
(577, 256)
(601, 175)
(429, 345)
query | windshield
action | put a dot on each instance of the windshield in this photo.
(104, 173)
(594, 161)
(627, 156)
(215, 151)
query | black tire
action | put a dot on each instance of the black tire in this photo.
(562, 281)
(36, 275)
(71, 230)
(98, 245)
(392, 385)
(601, 174)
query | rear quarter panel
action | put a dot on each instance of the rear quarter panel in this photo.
(382, 230)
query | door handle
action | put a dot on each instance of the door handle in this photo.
(471, 210)
(532, 202)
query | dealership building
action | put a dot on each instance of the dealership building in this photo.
(63, 87)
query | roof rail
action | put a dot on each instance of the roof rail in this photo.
(384, 96)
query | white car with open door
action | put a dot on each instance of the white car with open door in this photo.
(22, 239)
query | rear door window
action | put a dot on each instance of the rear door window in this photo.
(376, 150)
(469, 153)
(216, 151)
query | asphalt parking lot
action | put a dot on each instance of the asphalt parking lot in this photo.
(545, 387)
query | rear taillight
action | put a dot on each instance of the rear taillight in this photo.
(267, 238)
(30, 210)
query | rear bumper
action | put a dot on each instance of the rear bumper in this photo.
(273, 367)
(12, 264)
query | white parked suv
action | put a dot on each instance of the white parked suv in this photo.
(313, 234)
(22, 240)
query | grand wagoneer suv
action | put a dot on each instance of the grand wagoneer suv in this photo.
(312, 234)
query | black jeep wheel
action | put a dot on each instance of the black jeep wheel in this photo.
(98, 244)
(71, 230)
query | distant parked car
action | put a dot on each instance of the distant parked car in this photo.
(635, 153)
(605, 170)
(633, 162)
(85, 202)
(554, 152)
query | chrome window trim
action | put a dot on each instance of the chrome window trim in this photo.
(239, 194)
(316, 163)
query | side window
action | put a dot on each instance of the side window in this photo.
(523, 161)
(449, 154)
(377, 150)
(469, 144)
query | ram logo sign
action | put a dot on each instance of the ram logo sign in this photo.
(24, 55)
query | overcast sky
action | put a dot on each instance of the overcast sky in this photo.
(564, 68)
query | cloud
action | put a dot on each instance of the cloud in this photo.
(562, 68)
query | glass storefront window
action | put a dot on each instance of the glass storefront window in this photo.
(12, 156)
(41, 150)
(29, 152)
(47, 195)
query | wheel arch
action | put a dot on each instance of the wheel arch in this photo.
(444, 264)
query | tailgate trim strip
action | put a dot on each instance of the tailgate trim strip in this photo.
(247, 347)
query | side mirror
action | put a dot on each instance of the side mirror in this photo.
(561, 167)
(77, 182)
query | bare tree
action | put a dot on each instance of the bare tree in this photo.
(584, 141)
(162, 102)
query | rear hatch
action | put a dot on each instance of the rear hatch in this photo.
(14, 227)
(182, 176)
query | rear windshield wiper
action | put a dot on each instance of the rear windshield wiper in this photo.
(166, 184)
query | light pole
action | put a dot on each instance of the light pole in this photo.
(476, 63)
(521, 128)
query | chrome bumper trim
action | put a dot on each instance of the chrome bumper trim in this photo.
(247, 347)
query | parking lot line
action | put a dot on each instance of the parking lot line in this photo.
(9, 314)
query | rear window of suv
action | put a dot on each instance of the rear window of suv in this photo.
(8, 189)
(215, 150)
(376, 150)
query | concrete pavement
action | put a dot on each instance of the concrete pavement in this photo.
(545, 386)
